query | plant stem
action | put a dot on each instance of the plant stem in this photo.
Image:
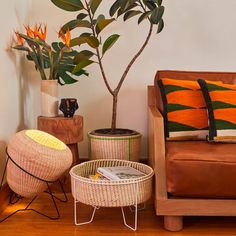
(51, 64)
(134, 59)
(41, 69)
(114, 111)
(57, 64)
(98, 53)
(116, 91)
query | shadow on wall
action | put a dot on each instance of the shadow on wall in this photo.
(3, 155)
(25, 73)
(24, 70)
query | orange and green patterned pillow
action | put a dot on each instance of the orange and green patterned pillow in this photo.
(184, 108)
(185, 114)
(221, 105)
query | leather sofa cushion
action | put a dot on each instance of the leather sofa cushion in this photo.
(201, 169)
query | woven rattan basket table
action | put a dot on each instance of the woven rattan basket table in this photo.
(110, 193)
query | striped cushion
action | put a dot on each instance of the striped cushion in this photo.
(221, 105)
(185, 113)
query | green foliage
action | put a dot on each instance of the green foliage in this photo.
(151, 10)
(93, 24)
(69, 5)
(109, 42)
(57, 58)
(94, 4)
(102, 23)
(82, 39)
(63, 66)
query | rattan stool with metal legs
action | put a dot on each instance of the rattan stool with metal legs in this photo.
(110, 193)
(35, 161)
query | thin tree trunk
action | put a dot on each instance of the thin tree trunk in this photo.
(114, 111)
(116, 91)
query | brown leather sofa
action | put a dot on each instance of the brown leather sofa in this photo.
(192, 178)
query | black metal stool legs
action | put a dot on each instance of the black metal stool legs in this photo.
(49, 191)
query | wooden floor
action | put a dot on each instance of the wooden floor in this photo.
(108, 221)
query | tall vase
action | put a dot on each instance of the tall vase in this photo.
(49, 98)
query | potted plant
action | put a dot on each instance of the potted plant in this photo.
(92, 24)
(54, 62)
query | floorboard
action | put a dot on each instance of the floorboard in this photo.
(108, 221)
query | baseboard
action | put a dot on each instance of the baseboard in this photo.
(4, 197)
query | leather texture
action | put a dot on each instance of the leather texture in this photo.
(201, 169)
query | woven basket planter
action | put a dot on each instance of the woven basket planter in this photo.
(110, 193)
(123, 147)
(36, 154)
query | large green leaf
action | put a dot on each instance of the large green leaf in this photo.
(81, 16)
(35, 59)
(69, 5)
(102, 23)
(90, 40)
(115, 6)
(150, 4)
(157, 15)
(125, 5)
(82, 65)
(83, 55)
(109, 42)
(160, 26)
(81, 72)
(131, 6)
(144, 16)
(130, 14)
(159, 2)
(94, 4)
(21, 48)
(65, 78)
(31, 42)
(57, 46)
(74, 24)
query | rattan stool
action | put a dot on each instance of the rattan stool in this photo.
(110, 193)
(35, 160)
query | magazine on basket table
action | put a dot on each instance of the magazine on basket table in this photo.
(120, 172)
(97, 176)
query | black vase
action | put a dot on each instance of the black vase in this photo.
(68, 106)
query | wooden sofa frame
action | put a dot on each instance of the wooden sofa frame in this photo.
(173, 209)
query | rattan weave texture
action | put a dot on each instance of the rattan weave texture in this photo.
(44, 162)
(110, 193)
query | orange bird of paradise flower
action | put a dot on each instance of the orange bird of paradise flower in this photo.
(20, 40)
(38, 32)
(29, 31)
(65, 37)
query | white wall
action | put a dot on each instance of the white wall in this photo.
(198, 35)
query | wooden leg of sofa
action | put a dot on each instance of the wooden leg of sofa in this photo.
(173, 223)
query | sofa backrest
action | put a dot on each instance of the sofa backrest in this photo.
(226, 77)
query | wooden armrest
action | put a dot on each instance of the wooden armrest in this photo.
(157, 147)
(156, 136)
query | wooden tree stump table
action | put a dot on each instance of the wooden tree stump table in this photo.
(68, 130)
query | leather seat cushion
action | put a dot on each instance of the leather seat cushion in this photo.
(201, 169)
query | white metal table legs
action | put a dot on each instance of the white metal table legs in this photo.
(85, 222)
(135, 211)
